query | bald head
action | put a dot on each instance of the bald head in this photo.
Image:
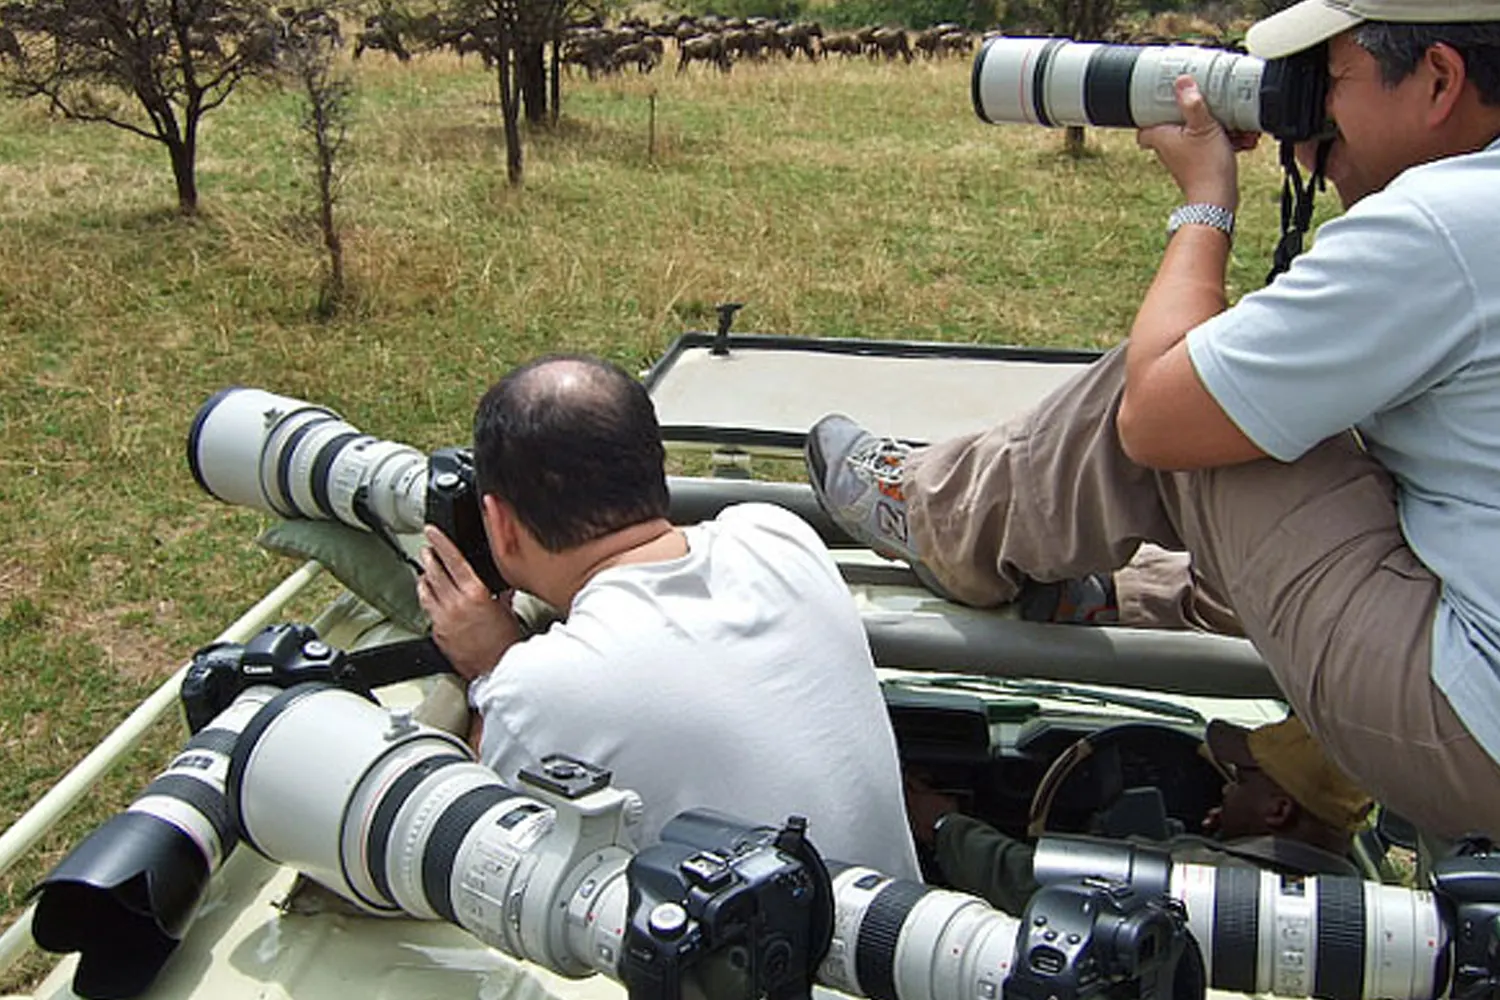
(572, 444)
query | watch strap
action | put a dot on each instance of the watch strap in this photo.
(1201, 214)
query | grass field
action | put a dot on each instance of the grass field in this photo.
(837, 199)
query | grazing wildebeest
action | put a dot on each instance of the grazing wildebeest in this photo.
(845, 43)
(638, 53)
(704, 48)
(799, 37)
(591, 48)
(743, 42)
(891, 42)
(380, 32)
(955, 43)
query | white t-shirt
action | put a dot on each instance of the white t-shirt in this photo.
(1391, 323)
(736, 678)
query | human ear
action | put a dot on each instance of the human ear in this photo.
(1279, 812)
(1446, 74)
(500, 526)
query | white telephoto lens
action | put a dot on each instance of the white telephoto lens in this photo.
(1057, 82)
(304, 466)
(301, 762)
(1230, 84)
(275, 455)
(227, 442)
(397, 487)
(1315, 935)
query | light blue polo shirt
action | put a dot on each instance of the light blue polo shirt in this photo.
(1391, 323)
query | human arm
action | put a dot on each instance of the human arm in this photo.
(973, 856)
(1163, 393)
(472, 628)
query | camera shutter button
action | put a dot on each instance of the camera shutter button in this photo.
(446, 480)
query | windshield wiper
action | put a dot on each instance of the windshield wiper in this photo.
(1056, 691)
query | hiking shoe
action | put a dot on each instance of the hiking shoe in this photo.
(857, 478)
(1088, 600)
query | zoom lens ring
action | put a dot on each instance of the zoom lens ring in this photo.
(1340, 969)
(204, 798)
(377, 840)
(447, 837)
(220, 741)
(879, 932)
(1236, 934)
(1106, 86)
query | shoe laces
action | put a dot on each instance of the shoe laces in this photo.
(881, 459)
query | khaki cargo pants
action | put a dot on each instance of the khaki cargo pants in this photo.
(1308, 554)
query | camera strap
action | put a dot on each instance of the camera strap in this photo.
(1296, 203)
(361, 506)
(399, 661)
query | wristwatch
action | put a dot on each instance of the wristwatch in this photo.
(1201, 214)
(940, 823)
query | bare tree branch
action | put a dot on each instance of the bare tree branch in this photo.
(174, 60)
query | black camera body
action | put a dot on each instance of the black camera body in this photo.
(453, 507)
(1097, 937)
(280, 656)
(1294, 94)
(1469, 883)
(722, 910)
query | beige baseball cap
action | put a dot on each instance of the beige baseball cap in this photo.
(1289, 756)
(1305, 24)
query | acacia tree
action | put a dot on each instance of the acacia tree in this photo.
(150, 67)
(327, 111)
(513, 35)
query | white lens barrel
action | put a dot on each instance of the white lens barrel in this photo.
(597, 914)
(1300, 936)
(1230, 84)
(1056, 82)
(892, 937)
(397, 817)
(301, 765)
(295, 459)
(397, 486)
(228, 439)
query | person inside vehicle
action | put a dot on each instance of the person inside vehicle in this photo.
(1327, 449)
(721, 665)
(1286, 808)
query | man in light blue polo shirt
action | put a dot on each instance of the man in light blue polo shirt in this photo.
(1364, 566)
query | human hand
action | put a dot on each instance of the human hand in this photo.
(1213, 820)
(925, 805)
(469, 626)
(1199, 153)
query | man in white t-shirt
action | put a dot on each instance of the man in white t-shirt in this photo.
(1365, 568)
(721, 665)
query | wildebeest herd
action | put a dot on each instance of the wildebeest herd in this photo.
(717, 42)
(721, 42)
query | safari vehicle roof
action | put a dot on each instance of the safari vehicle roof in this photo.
(740, 396)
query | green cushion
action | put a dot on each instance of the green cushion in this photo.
(359, 561)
